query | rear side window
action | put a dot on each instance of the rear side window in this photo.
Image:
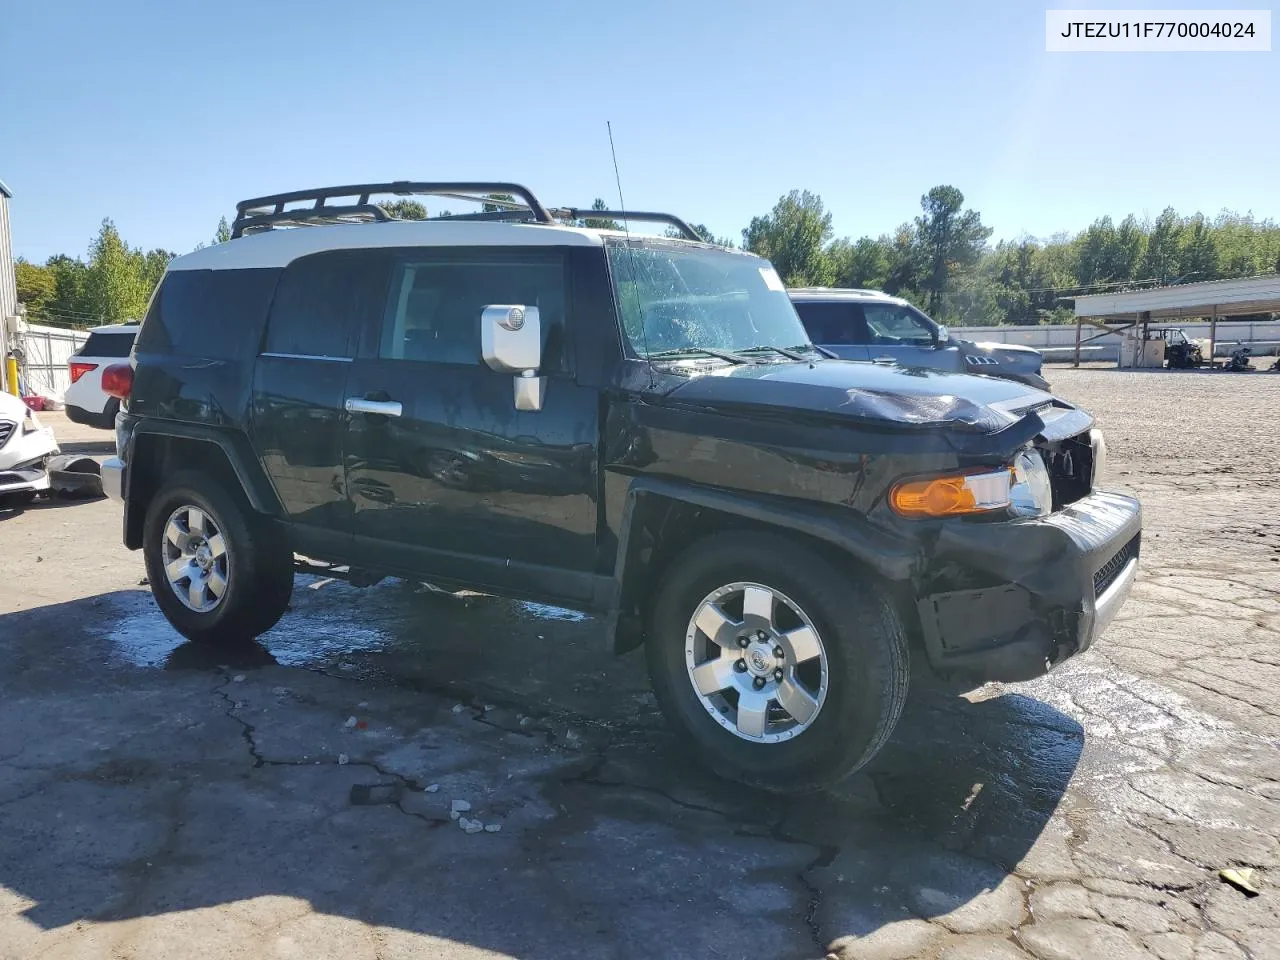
(324, 301)
(833, 323)
(107, 345)
(214, 314)
(434, 312)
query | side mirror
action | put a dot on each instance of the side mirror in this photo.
(511, 342)
(942, 336)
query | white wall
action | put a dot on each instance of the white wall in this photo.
(1264, 336)
(45, 352)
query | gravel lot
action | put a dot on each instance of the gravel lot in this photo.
(293, 799)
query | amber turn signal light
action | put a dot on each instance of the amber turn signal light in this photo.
(952, 495)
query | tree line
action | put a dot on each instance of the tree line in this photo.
(941, 260)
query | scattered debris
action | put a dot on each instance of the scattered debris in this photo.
(351, 722)
(1241, 879)
(458, 708)
(493, 828)
(460, 806)
(144, 582)
(470, 826)
(488, 707)
(362, 724)
(238, 678)
(343, 759)
(432, 788)
(363, 704)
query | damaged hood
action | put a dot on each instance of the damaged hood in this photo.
(864, 392)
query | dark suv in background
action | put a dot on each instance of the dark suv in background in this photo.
(634, 426)
(871, 325)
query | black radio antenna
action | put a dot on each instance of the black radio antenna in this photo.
(631, 253)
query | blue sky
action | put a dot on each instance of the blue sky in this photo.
(163, 115)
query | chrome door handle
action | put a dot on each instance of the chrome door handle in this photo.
(385, 408)
(883, 359)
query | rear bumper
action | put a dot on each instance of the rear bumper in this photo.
(113, 478)
(1019, 598)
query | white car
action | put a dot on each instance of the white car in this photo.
(24, 448)
(86, 401)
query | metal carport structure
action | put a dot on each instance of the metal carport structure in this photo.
(1215, 299)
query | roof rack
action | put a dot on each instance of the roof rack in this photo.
(263, 213)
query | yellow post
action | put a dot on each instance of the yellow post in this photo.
(11, 374)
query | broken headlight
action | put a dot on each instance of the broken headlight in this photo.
(1099, 446)
(1032, 492)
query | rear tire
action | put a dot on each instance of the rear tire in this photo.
(855, 683)
(231, 566)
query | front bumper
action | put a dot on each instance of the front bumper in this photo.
(28, 478)
(1010, 601)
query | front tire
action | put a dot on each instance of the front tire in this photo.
(218, 571)
(784, 673)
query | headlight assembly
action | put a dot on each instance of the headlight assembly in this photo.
(1032, 492)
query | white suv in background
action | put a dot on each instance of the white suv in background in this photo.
(86, 401)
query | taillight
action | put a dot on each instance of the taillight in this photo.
(78, 370)
(117, 380)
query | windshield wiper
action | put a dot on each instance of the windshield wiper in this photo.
(696, 351)
(786, 352)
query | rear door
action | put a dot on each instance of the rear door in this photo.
(447, 479)
(836, 325)
(321, 305)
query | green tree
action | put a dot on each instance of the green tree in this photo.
(37, 285)
(1163, 257)
(223, 233)
(950, 239)
(405, 209)
(793, 235)
(70, 283)
(864, 264)
(1200, 255)
(600, 223)
(114, 286)
(154, 265)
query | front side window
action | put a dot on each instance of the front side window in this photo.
(890, 324)
(676, 299)
(435, 306)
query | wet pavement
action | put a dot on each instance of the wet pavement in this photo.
(293, 797)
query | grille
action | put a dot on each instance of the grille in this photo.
(6, 430)
(1108, 572)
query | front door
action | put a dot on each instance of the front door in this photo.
(903, 335)
(446, 478)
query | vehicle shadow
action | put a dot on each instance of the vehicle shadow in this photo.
(141, 776)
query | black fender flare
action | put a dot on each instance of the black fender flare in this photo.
(891, 557)
(253, 480)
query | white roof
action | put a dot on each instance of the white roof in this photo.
(277, 248)
(840, 293)
(117, 328)
(1229, 297)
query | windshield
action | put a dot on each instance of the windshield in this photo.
(678, 299)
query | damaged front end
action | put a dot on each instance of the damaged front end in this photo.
(1010, 600)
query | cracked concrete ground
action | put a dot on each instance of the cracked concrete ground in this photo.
(157, 800)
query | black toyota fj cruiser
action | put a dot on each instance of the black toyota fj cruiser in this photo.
(637, 427)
